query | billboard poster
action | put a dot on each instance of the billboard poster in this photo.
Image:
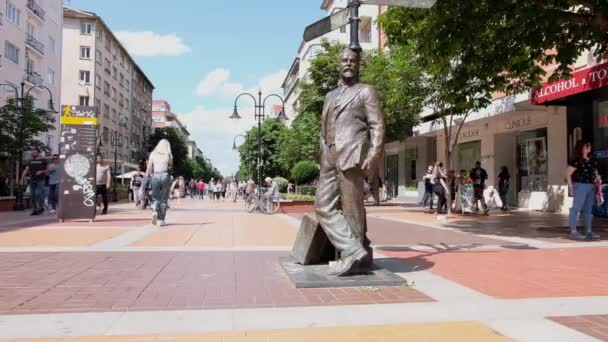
(77, 154)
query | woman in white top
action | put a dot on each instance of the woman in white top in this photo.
(159, 165)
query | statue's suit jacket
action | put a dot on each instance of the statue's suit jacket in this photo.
(359, 126)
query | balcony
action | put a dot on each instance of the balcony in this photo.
(34, 78)
(36, 9)
(34, 43)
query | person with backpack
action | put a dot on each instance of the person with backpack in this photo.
(136, 182)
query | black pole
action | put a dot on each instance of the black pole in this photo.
(114, 192)
(260, 115)
(19, 203)
(354, 26)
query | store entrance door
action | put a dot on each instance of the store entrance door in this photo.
(468, 153)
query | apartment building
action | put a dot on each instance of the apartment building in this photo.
(193, 151)
(163, 117)
(98, 71)
(30, 53)
(370, 37)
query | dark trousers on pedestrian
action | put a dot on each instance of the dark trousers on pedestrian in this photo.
(53, 196)
(428, 196)
(103, 191)
(441, 198)
(37, 195)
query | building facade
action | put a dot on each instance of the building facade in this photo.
(98, 71)
(370, 37)
(162, 117)
(30, 52)
(531, 133)
(194, 151)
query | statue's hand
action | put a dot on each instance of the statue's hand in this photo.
(367, 165)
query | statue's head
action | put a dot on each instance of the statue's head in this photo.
(348, 66)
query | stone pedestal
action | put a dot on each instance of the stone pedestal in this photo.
(312, 245)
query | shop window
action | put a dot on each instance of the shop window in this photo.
(600, 136)
(532, 161)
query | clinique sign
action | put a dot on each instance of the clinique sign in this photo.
(581, 81)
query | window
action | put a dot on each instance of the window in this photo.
(106, 112)
(11, 52)
(114, 115)
(114, 72)
(106, 134)
(51, 44)
(85, 76)
(98, 57)
(99, 33)
(51, 76)
(107, 66)
(83, 100)
(85, 52)
(12, 13)
(98, 81)
(113, 93)
(98, 105)
(106, 88)
(85, 27)
(121, 78)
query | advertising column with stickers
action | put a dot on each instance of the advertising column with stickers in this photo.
(77, 154)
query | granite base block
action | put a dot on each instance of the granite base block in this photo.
(315, 276)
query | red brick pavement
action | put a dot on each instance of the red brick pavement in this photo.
(85, 282)
(596, 326)
(513, 274)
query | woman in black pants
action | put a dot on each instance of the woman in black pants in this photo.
(440, 188)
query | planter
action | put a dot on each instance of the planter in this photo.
(290, 207)
(7, 203)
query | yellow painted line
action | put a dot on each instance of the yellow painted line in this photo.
(428, 332)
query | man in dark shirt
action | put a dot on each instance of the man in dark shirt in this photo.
(479, 176)
(37, 171)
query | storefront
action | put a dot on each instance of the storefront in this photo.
(585, 95)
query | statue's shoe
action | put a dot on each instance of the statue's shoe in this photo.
(348, 264)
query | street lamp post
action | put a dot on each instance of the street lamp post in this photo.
(21, 104)
(259, 113)
(234, 147)
(116, 144)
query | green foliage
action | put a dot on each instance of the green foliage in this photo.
(396, 76)
(308, 190)
(505, 42)
(305, 171)
(271, 135)
(282, 183)
(296, 197)
(35, 122)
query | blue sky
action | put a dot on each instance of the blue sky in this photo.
(200, 53)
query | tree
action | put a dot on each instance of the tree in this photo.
(181, 165)
(507, 42)
(35, 122)
(396, 75)
(305, 171)
(271, 133)
(449, 86)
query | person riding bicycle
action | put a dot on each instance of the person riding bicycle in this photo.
(272, 192)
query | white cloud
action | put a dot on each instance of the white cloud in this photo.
(148, 43)
(212, 129)
(217, 83)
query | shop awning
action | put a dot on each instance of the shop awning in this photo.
(581, 81)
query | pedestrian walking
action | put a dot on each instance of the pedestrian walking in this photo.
(103, 181)
(54, 176)
(440, 188)
(201, 189)
(582, 175)
(37, 171)
(504, 180)
(479, 177)
(428, 188)
(159, 165)
(192, 188)
(135, 185)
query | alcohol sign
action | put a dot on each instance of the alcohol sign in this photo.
(77, 154)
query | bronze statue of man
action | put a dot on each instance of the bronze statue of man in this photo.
(352, 134)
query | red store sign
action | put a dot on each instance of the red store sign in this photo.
(581, 81)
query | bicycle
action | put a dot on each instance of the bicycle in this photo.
(257, 202)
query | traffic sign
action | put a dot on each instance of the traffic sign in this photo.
(326, 25)
(401, 3)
